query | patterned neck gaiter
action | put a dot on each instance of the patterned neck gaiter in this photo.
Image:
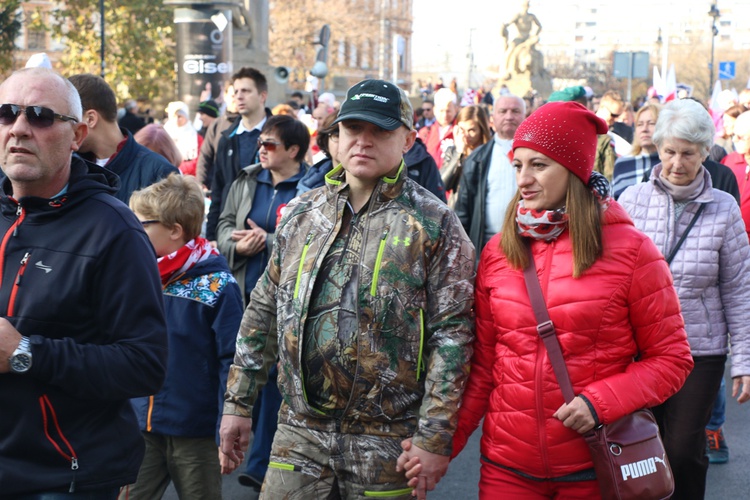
(545, 225)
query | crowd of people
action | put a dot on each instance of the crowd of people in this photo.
(353, 302)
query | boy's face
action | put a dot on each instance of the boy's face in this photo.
(162, 238)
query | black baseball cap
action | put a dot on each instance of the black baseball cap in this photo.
(209, 108)
(379, 102)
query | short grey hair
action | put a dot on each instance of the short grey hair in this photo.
(520, 100)
(687, 120)
(444, 96)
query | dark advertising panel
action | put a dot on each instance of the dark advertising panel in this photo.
(204, 52)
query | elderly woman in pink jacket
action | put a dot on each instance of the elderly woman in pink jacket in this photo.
(700, 232)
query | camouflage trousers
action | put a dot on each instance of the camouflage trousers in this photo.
(307, 464)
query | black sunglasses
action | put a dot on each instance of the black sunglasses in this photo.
(38, 116)
(613, 115)
(269, 145)
(145, 223)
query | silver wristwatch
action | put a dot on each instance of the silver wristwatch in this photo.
(20, 360)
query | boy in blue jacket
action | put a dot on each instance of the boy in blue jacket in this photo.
(203, 304)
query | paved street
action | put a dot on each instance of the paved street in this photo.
(728, 481)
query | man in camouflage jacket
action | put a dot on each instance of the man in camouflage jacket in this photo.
(367, 302)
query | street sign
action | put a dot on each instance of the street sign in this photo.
(727, 70)
(630, 65)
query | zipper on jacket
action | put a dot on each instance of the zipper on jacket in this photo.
(352, 223)
(420, 364)
(17, 283)
(387, 494)
(12, 231)
(302, 264)
(378, 261)
(71, 455)
(19, 217)
(149, 413)
(358, 319)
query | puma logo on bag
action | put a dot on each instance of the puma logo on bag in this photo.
(640, 468)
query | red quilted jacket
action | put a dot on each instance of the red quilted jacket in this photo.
(624, 307)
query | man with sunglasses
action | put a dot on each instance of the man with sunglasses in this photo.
(428, 115)
(111, 146)
(82, 326)
(610, 107)
(367, 300)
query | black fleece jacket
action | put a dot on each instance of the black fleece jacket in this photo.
(79, 278)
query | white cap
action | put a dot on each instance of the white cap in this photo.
(39, 60)
(175, 107)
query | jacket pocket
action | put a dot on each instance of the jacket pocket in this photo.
(389, 493)
(378, 263)
(17, 284)
(707, 315)
(301, 266)
(58, 440)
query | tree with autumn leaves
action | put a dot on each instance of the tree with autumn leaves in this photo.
(139, 51)
(10, 27)
(140, 47)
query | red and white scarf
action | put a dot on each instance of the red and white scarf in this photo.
(543, 225)
(547, 225)
(179, 261)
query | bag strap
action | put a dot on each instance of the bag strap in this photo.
(684, 235)
(546, 329)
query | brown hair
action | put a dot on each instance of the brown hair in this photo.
(478, 115)
(735, 111)
(290, 131)
(584, 224)
(176, 199)
(325, 131)
(154, 137)
(261, 84)
(96, 94)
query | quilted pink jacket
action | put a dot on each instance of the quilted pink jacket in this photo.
(711, 270)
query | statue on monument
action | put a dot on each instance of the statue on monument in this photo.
(521, 55)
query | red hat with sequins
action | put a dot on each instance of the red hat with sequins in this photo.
(564, 131)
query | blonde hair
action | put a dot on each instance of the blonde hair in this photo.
(284, 109)
(175, 200)
(584, 224)
(654, 108)
(612, 97)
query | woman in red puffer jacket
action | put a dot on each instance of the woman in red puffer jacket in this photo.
(611, 299)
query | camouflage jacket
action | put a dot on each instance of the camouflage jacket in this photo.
(415, 314)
